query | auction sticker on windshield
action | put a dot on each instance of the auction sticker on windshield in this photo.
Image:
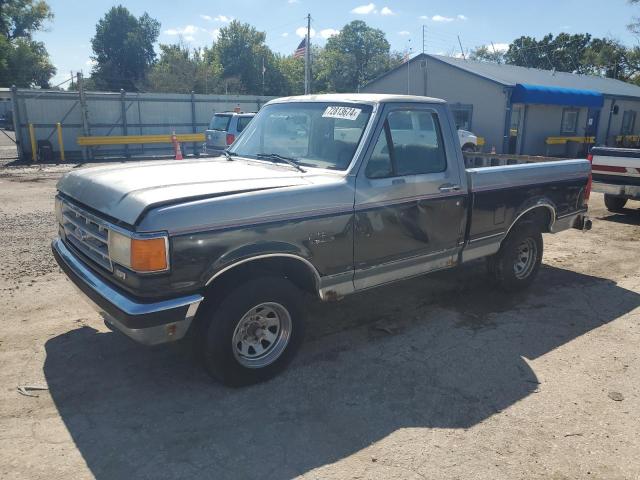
(343, 113)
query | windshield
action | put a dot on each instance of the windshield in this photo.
(313, 134)
(220, 122)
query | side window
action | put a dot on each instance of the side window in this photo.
(379, 165)
(243, 122)
(462, 115)
(416, 146)
(628, 122)
(569, 121)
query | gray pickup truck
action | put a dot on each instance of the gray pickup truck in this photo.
(326, 194)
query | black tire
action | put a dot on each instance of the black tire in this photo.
(469, 147)
(218, 320)
(507, 267)
(614, 204)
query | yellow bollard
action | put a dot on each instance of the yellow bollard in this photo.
(60, 141)
(32, 135)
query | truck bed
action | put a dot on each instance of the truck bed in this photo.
(616, 171)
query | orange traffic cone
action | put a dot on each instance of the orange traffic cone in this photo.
(176, 147)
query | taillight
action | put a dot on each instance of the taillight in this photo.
(230, 138)
(587, 190)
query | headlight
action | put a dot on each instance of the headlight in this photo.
(58, 210)
(139, 254)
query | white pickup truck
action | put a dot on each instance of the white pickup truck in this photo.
(616, 173)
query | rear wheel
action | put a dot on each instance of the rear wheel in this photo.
(614, 204)
(252, 333)
(517, 262)
(468, 147)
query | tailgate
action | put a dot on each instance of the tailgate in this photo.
(616, 165)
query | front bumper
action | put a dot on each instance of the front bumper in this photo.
(146, 323)
(627, 191)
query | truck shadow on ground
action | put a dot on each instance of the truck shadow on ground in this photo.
(629, 216)
(443, 351)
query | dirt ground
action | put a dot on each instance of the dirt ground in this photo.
(440, 377)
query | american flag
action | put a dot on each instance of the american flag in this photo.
(301, 50)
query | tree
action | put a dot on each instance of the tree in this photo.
(23, 61)
(123, 49)
(484, 54)
(246, 60)
(355, 56)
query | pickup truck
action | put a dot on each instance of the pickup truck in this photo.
(319, 194)
(616, 173)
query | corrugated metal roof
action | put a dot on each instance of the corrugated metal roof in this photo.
(511, 75)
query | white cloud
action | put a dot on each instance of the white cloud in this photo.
(285, 34)
(187, 30)
(365, 9)
(387, 11)
(462, 17)
(90, 63)
(441, 18)
(500, 47)
(329, 32)
(215, 33)
(206, 17)
(293, 1)
(404, 33)
(302, 32)
(424, 17)
(222, 18)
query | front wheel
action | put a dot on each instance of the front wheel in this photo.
(614, 204)
(253, 332)
(517, 262)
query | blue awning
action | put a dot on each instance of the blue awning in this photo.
(570, 97)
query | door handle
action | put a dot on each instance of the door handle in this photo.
(449, 187)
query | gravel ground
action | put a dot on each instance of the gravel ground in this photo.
(440, 377)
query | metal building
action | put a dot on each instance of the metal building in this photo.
(522, 110)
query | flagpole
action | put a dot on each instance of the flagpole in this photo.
(307, 59)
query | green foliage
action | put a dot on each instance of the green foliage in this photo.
(183, 70)
(23, 61)
(485, 54)
(578, 53)
(355, 56)
(123, 49)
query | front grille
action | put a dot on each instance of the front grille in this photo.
(87, 233)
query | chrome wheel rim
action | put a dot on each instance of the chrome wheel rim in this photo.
(262, 335)
(525, 258)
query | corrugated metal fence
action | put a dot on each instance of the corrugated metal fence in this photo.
(106, 113)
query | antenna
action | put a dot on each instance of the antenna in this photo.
(461, 49)
(424, 39)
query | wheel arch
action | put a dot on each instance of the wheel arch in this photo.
(543, 212)
(295, 267)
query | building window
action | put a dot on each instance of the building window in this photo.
(569, 121)
(628, 122)
(462, 115)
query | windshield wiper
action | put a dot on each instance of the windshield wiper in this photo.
(229, 155)
(275, 157)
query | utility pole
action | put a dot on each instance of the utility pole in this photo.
(86, 153)
(263, 69)
(461, 49)
(424, 39)
(307, 59)
(71, 71)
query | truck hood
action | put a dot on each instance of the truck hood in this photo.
(124, 192)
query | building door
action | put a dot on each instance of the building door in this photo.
(515, 128)
(593, 118)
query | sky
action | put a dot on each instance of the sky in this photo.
(68, 36)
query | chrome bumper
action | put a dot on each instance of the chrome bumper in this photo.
(146, 323)
(627, 191)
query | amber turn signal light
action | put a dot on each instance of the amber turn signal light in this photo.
(148, 255)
